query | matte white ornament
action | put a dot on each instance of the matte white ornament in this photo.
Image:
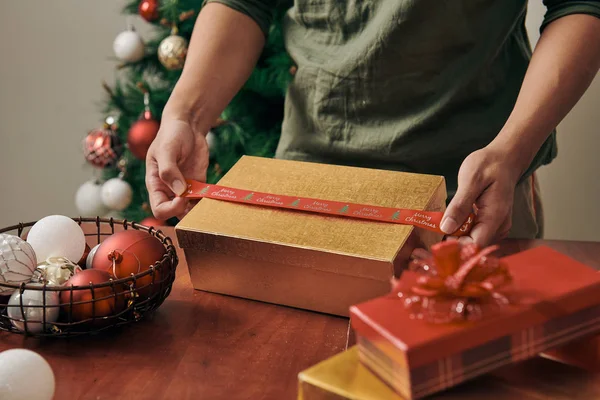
(88, 200)
(129, 46)
(34, 316)
(17, 261)
(210, 140)
(116, 194)
(25, 374)
(57, 236)
(90, 257)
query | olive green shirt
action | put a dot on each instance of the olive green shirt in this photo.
(407, 85)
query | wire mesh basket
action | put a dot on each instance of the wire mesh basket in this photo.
(120, 296)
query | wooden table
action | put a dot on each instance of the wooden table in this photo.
(206, 346)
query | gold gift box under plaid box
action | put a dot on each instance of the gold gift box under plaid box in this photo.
(344, 377)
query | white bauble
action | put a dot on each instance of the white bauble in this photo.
(114, 215)
(129, 46)
(90, 257)
(17, 261)
(25, 374)
(33, 315)
(210, 140)
(116, 194)
(88, 200)
(57, 236)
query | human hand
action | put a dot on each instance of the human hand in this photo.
(486, 179)
(177, 153)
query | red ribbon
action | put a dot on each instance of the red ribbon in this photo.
(429, 220)
(454, 282)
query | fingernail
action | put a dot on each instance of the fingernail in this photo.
(449, 225)
(178, 187)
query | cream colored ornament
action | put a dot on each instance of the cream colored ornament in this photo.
(34, 307)
(55, 271)
(88, 200)
(211, 140)
(17, 261)
(90, 257)
(116, 194)
(129, 46)
(172, 51)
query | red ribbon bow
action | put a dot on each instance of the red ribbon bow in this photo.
(454, 281)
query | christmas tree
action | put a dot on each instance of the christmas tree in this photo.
(148, 70)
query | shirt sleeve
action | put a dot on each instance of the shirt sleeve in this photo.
(561, 8)
(261, 11)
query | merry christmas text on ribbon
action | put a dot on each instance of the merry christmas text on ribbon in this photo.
(429, 220)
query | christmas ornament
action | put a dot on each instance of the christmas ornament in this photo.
(90, 257)
(129, 46)
(142, 132)
(32, 315)
(88, 200)
(84, 257)
(151, 221)
(148, 9)
(116, 194)
(25, 374)
(17, 261)
(57, 236)
(131, 252)
(114, 215)
(102, 147)
(172, 51)
(55, 271)
(210, 140)
(110, 303)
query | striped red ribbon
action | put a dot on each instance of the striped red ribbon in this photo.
(429, 220)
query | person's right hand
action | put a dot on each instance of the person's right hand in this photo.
(176, 154)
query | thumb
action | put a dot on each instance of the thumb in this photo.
(460, 207)
(169, 173)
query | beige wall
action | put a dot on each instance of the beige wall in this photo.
(54, 55)
(53, 58)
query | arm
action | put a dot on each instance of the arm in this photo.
(563, 65)
(225, 46)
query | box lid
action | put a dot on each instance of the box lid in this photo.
(548, 285)
(338, 235)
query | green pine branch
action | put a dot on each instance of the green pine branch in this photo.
(253, 118)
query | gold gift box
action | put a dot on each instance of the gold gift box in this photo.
(342, 377)
(306, 260)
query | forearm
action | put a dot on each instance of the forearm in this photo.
(223, 51)
(564, 63)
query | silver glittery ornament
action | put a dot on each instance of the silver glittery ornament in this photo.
(17, 261)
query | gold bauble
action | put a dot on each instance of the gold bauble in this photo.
(172, 51)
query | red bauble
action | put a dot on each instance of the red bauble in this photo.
(151, 221)
(148, 9)
(111, 303)
(102, 148)
(141, 134)
(132, 252)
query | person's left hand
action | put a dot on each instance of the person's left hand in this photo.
(486, 179)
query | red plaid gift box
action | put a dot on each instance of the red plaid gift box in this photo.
(554, 300)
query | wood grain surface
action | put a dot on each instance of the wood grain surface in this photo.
(199, 345)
